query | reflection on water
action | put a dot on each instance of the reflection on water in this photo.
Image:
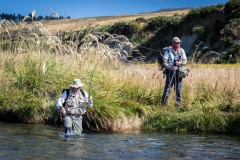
(26, 141)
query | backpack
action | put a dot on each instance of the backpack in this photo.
(67, 90)
(160, 58)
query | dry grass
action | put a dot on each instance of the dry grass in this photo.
(217, 81)
(80, 23)
(206, 89)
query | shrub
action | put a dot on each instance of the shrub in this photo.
(141, 19)
(232, 9)
(105, 28)
(231, 55)
(155, 23)
(198, 29)
(202, 12)
(135, 27)
(231, 31)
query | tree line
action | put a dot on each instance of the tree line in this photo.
(19, 17)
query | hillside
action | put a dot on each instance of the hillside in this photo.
(76, 24)
(212, 28)
(210, 32)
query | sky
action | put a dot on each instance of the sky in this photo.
(95, 8)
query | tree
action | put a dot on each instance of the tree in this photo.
(39, 18)
(19, 17)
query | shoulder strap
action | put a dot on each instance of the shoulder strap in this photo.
(83, 93)
(67, 91)
(177, 53)
(167, 48)
(181, 53)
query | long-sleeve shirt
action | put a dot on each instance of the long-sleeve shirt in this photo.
(170, 56)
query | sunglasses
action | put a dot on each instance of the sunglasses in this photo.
(177, 42)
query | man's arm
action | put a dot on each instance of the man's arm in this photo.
(165, 60)
(184, 57)
(61, 100)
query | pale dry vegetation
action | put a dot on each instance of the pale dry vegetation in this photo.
(214, 82)
(76, 24)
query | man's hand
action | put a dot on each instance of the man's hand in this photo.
(178, 63)
(174, 68)
(90, 98)
(63, 111)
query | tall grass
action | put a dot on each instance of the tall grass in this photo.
(36, 65)
(210, 102)
(35, 68)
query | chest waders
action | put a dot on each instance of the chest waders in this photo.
(73, 119)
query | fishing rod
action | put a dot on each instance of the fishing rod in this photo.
(89, 91)
(160, 52)
(150, 49)
(160, 57)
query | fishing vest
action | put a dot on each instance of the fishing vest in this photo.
(173, 54)
(75, 103)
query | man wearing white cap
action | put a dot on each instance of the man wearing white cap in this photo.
(174, 57)
(72, 105)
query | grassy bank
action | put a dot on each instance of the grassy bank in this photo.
(35, 68)
(125, 96)
(211, 102)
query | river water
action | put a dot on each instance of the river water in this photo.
(39, 141)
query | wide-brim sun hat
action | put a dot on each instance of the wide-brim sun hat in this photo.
(76, 83)
(176, 39)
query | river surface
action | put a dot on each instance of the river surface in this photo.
(39, 141)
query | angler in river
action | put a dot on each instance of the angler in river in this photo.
(72, 104)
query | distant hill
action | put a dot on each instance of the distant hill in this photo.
(168, 10)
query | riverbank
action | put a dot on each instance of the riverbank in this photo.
(126, 96)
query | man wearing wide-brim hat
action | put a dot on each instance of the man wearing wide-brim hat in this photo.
(72, 105)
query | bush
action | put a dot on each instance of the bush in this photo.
(141, 19)
(155, 23)
(232, 9)
(198, 29)
(231, 31)
(105, 28)
(135, 27)
(202, 12)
